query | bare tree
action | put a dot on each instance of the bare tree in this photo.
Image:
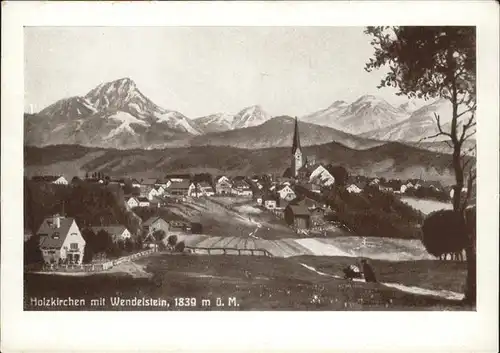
(437, 62)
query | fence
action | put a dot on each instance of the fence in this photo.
(95, 267)
(229, 251)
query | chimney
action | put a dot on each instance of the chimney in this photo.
(56, 221)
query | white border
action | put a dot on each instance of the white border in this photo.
(105, 331)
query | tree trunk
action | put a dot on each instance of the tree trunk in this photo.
(470, 290)
(470, 253)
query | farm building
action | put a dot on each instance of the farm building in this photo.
(180, 188)
(60, 239)
(298, 216)
(155, 223)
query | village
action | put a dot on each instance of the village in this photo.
(300, 203)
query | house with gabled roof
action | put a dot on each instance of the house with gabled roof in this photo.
(353, 189)
(132, 202)
(180, 188)
(241, 188)
(143, 201)
(155, 223)
(151, 182)
(270, 201)
(298, 216)
(223, 185)
(321, 176)
(60, 239)
(149, 192)
(135, 183)
(286, 193)
(53, 179)
(165, 183)
(206, 189)
(116, 231)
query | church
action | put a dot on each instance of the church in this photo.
(302, 170)
(298, 158)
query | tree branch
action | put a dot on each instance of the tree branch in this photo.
(470, 123)
(466, 111)
(440, 128)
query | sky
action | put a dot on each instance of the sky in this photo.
(205, 70)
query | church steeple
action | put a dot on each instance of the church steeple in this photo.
(296, 137)
(297, 156)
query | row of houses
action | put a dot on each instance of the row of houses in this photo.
(60, 238)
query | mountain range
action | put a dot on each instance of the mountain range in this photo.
(117, 115)
(390, 160)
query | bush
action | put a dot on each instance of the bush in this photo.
(180, 246)
(375, 213)
(32, 252)
(172, 240)
(444, 231)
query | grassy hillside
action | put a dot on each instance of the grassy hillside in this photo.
(392, 160)
(257, 283)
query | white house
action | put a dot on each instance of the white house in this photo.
(165, 183)
(286, 193)
(269, 202)
(136, 183)
(150, 193)
(354, 189)
(60, 239)
(160, 190)
(206, 189)
(132, 202)
(222, 179)
(322, 176)
(241, 188)
(375, 181)
(143, 201)
(117, 231)
(403, 188)
(54, 179)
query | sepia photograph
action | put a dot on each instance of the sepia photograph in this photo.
(250, 176)
(281, 168)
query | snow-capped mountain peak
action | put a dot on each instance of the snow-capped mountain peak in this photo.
(250, 116)
(113, 114)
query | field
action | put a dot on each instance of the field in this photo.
(255, 283)
(237, 223)
(232, 217)
(427, 206)
(303, 273)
